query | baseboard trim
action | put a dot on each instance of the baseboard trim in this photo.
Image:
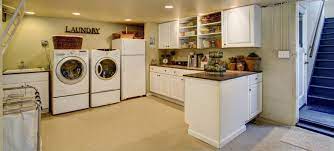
(167, 98)
(203, 138)
(232, 136)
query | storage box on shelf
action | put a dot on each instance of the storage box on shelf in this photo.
(168, 82)
(188, 33)
(210, 31)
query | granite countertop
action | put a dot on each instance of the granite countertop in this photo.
(180, 67)
(220, 77)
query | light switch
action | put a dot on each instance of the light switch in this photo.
(284, 54)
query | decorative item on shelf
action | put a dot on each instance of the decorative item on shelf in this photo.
(211, 18)
(241, 64)
(253, 62)
(206, 43)
(233, 63)
(215, 65)
(126, 34)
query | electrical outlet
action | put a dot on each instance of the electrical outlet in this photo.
(284, 54)
(44, 43)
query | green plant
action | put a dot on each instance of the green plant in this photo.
(253, 54)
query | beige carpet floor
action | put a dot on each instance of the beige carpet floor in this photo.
(308, 140)
(145, 124)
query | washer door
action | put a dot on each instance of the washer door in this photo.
(71, 70)
(105, 68)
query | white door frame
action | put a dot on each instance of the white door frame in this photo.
(301, 59)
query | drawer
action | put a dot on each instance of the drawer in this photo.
(162, 70)
(254, 78)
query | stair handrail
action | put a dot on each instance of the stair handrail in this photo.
(315, 31)
(6, 35)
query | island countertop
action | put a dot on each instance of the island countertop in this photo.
(220, 77)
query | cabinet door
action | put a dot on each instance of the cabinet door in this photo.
(43, 89)
(154, 82)
(255, 99)
(164, 84)
(237, 26)
(164, 35)
(177, 88)
(174, 35)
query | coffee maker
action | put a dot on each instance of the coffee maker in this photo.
(194, 60)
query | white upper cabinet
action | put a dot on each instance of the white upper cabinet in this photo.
(242, 27)
(168, 35)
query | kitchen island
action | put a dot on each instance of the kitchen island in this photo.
(217, 107)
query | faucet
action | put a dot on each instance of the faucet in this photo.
(21, 66)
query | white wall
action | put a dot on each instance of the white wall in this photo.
(329, 8)
(26, 44)
(279, 86)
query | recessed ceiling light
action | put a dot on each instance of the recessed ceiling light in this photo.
(169, 6)
(76, 14)
(30, 13)
(128, 19)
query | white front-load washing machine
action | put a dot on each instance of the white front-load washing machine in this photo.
(70, 81)
(105, 80)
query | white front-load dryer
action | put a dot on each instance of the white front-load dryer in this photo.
(70, 81)
(105, 80)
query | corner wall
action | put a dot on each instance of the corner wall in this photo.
(279, 75)
(152, 52)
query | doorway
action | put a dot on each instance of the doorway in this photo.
(301, 65)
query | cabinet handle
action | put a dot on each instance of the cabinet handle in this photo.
(250, 89)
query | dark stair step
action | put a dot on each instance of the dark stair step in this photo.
(324, 72)
(326, 48)
(329, 24)
(328, 29)
(321, 91)
(327, 35)
(328, 41)
(327, 63)
(321, 103)
(329, 19)
(316, 128)
(325, 55)
(322, 81)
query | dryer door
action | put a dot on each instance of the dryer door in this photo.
(106, 68)
(71, 70)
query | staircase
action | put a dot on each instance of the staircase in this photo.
(321, 91)
(318, 114)
(8, 33)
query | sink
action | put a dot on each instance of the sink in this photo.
(15, 71)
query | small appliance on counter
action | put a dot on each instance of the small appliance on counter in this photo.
(192, 60)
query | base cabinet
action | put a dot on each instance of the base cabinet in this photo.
(169, 82)
(254, 95)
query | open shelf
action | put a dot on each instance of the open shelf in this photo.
(213, 23)
(210, 34)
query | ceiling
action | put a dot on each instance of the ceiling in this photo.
(139, 11)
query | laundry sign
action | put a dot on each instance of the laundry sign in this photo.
(82, 30)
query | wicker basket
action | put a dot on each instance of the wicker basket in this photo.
(67, 42)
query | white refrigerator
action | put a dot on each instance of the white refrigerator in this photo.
(133, 74)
